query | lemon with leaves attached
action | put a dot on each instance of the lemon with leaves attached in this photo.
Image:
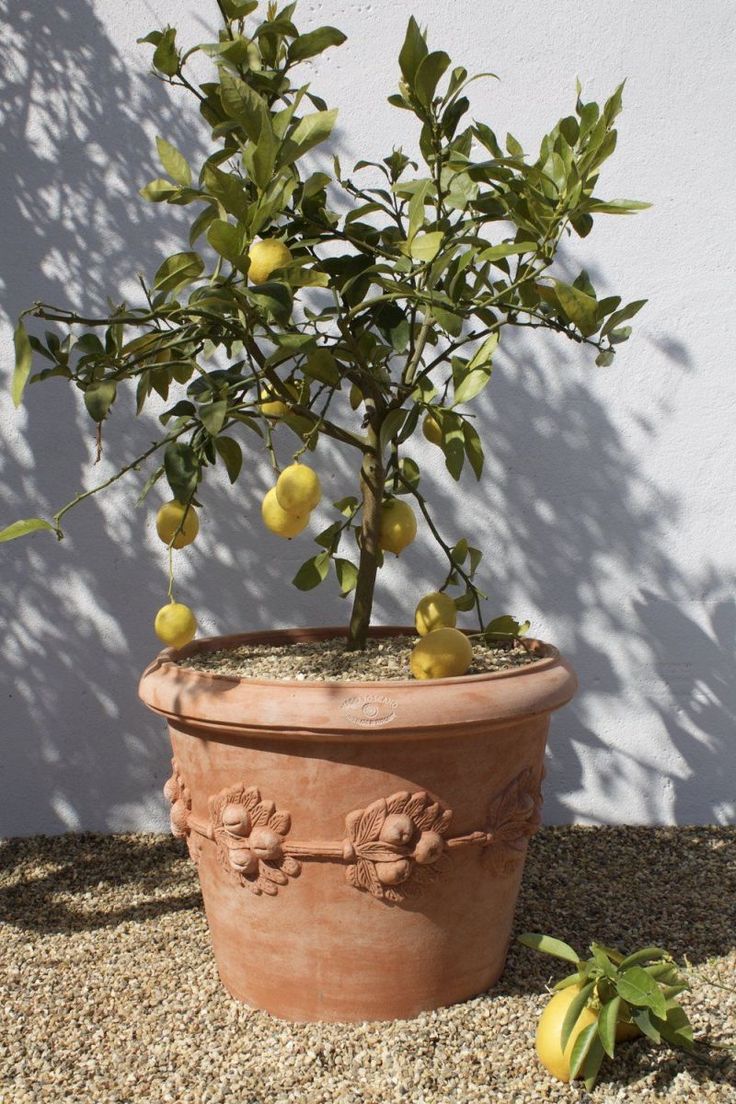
(177, 524)
(443, 653)
(398, 526)
(265, 257)
(548, 1044)
(279, 520)
(298, 489)
(435, 610)
(175, 625)
(432, 430)
(272, 405)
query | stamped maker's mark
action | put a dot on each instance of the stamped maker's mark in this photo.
(370, 710)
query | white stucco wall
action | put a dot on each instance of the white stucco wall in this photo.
(607, 508)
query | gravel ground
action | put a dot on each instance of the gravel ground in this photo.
(111, 996)
(322, 660)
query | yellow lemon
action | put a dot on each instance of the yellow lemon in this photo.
(297, 489)
(398, 525)
(435, 611)
(276, 407)
(550, 1052)
(432, 430)
(266, 256)
(168, 520)
(443, 653)
(175, 625)
(277, 520)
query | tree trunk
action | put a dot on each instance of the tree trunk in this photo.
(372, 480)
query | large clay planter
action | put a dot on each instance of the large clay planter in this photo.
(360, 845)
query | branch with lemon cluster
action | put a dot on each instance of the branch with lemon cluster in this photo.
(288, 314)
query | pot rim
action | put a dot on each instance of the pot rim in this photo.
(171, 657)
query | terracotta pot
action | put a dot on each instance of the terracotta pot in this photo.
(360, 845)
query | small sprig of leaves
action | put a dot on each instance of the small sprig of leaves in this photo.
(640, 988)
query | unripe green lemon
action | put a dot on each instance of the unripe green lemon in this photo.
(444, 653)
(435, 611)
(266, 256)
(550, 1052)
(175, 625)
(298, 489)
(432, 430)
(398, 525)
(278, 520)
(169, 518)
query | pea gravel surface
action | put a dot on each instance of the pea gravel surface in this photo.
(327, 660)
(110, 993)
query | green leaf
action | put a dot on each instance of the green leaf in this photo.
(390, 427)
(605, 358)
(177, 270)
(638, 988)
(347, 575)
(644, 1020)
(623, 315)
(309, 45)
(576, 1006)
(165, 57)
(242, 103)
(312, 572)
(227, 240)
(174, 163)
(98, 398)
(478, 372)
(676, 1029)
(309, 132)
(182, 469)
(507, 249)
(213, 415)
(581, 309)
(592, 1064)
(429, 71)
(416, 208)
(272, 297)
(614, 206)
(506, 625)
(567, 981)
(583, 1043)
(412, 52)
(232, 456)
(23, 361)
(645, 954)
(322, 366)
(547, 944)
(473, 449)
(239, 9)
(22, 528)
(158, 190)
(410, 472)
(425, 247)
(260, 159)
(607, 1020)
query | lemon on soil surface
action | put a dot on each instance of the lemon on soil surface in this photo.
(443, 653)
(435, 610)
(169, 518)
(398, 526)
(549, 1050)
(175, 625)
(266, 256)
(280, 522)
(298, 489)
(432, 430)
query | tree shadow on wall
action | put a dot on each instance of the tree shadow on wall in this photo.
(573, 532)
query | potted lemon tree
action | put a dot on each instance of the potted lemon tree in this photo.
(358, 799)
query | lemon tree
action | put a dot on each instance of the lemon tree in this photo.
(311, 302)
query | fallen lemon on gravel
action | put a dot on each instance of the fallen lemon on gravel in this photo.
(443, 653)
(266, 256)
(549, 1050)
(398, 526)
(435, 610)
(171, 517)
(298, 489)
(432, 430)
(278, 520)
(175, 625)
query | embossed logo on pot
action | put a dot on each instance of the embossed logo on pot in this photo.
(371, 710)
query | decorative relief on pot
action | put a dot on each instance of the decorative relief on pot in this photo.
(181, 802)
(250, 835)
(513, 816)
(394, 846)
(370, 710)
